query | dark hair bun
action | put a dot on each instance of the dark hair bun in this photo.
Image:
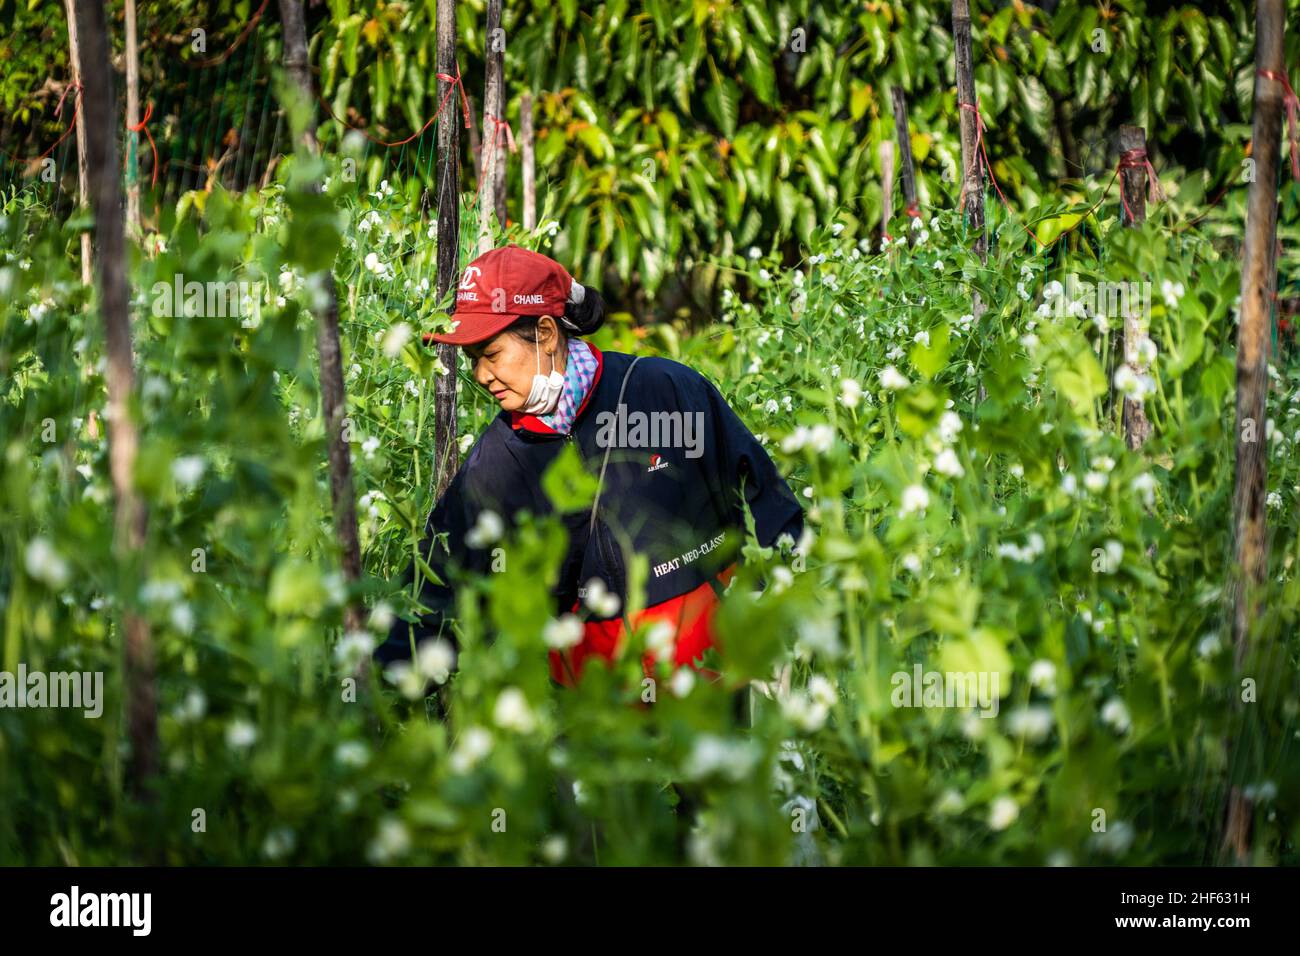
(585, 317)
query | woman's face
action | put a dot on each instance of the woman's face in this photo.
(505, 364)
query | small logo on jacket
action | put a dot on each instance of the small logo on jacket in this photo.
(656, 462)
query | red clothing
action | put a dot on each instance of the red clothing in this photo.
(691, 615)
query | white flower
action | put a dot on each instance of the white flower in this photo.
(1116, 839)
(771, 407)
(370, 446)
(1069, 484)
(1053, 290)
(435, 659)
(406, 678)
(1209, 645)
(396, 338)
(804, 712)
(850, 393)
(938, 265)
(352, 753)
(600, 600)
(192, 708)
(44, 563)
(682, 682)
(1033, 723)
(240, 734)
(554, 849)
(822, 691)
(711, 754)
(1146, 352)
(661, 640)
(821, 438)
(391, 841)
(947, 463)
(915, 498)
(182, 618)
(474, 744)
(488, 528)
(912, 562)
(892, 379)
(1114, 554)
(1115, 715)
(352, 649)
(1002, 813)
(187, 470)
(1274, 500)
(563, 632)
(1172, 292)
(1094, 481)
(512, 712)
(279, 843)
(1103, 463)
(922, 338)
(950, 426)
(1042, 675)
(949, 802)
(755, 252)
(837, 228)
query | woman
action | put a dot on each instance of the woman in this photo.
(674, 465)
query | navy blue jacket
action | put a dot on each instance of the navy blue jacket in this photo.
(679, 506)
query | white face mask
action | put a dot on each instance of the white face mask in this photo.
(544, 396)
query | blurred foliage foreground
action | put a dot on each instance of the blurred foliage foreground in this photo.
(1010, 535)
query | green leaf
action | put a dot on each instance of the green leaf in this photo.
(567, 483)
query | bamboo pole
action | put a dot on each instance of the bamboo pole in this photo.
(972, 189)
(491, 183)
(83, 175)
(529, 161)
(446, 457)
(907, 171)
(133, 223)
(1133, 212)
(130, 516)
(1258, 277)
(334, 401)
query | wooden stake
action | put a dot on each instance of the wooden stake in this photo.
(133, 223)
(972, 169)
(491, 184)
(902, 133)
(130, 516)
(446, 453)
(83, 175)
(1133, 186)
(334, 401)
(1258, 276)
(529, 162)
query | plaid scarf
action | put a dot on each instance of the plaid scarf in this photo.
(579, 372)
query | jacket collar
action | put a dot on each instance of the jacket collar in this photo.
(520, 420)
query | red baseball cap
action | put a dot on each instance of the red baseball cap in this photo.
(500, 286)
